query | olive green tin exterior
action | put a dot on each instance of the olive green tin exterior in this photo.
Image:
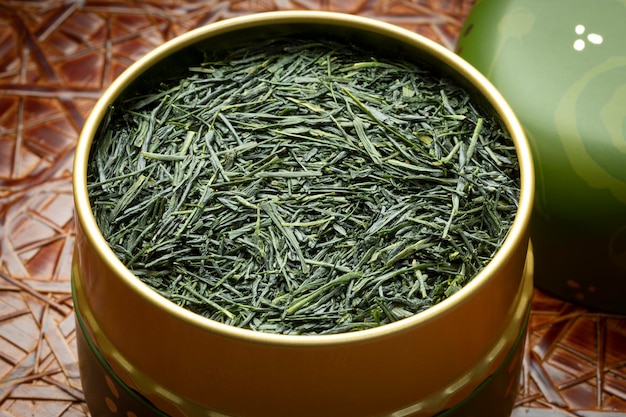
(135, 344)
(561, 65)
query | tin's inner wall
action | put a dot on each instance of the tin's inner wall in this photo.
(381, 45)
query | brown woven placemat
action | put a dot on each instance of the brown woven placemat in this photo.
(56, 57)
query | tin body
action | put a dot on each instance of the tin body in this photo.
(139, 350)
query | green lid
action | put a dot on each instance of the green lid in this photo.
(561, 64)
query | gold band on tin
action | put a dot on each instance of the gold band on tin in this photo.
(448, 397)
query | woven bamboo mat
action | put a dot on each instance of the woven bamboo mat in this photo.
(56, 57)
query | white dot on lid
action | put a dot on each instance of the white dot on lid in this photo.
(579, 45)
(595, 38)
(580, 29)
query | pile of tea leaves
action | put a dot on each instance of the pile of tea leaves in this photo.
(303, 187)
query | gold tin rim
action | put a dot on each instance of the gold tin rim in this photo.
(517, 234)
